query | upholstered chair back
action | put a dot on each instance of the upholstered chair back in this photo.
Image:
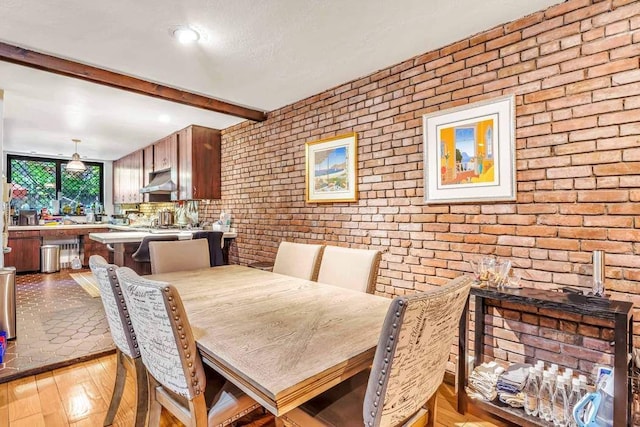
(142, 253)
(412, 353)
(215, 241)
(115, 306)
(355, 269)
(299, 260)
(164, 335)
(181, 255)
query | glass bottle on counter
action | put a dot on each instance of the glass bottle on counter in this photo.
(531, 393)
(546, 397)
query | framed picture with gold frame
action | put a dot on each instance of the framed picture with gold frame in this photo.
(332, 169)
(469, 153)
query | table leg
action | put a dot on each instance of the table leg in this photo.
(479, 331)
(463, 338)
(621, 383)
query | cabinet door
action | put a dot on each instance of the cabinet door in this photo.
(199, 163)
(136, 171)
(91, 247)
(185, 154)
(117, 177)
(147, 160)
(162, 154)
(24, 255)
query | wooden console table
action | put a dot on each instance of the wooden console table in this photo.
(620, 312)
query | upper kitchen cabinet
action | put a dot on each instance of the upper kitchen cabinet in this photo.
(165, 153)
(128, 178)
(199, 163)
(147, 168)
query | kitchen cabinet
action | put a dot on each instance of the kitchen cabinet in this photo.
(147, 159)
(88, 246)
(128, 178)
(165, 153)
(117, 173)
(199, 163)
(91, 247)
(25, 251)
(191, 155)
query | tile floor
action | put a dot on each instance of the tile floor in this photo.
(58, 323)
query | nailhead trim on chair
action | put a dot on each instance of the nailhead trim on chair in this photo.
(385, 369)
(111, 271)
(196, 386)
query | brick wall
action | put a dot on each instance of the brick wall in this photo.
(574, 71)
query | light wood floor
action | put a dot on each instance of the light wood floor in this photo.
(79, 396)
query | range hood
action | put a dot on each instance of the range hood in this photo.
(160, 183)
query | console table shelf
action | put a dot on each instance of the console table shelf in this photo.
(620, 312)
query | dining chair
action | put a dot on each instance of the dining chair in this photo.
(181, 255)
(350, 268)
(408, 367)
(177, 380)
(142, 253)
(299, 260)
(215, 241)
(124, 337)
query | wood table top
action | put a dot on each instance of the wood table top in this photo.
(280, 339)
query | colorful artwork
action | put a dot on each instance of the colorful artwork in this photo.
(332, 169)
(469, 153)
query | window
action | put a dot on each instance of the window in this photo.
(37, 182)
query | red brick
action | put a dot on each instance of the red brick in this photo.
(545, 25)
(503, 41)
(563, 79)
(582, 233)
(579, 123)
(626, 168)
(606, 44)
(588, 85)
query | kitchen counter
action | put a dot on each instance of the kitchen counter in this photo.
(136, 235)
(124, 244)
(57, 227)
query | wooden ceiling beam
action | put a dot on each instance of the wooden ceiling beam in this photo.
(66, 67)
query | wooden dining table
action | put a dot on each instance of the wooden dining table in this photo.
(280, 339)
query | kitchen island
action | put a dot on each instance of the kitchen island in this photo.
(125, 243)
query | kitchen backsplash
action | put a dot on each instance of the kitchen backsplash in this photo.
(150, 209)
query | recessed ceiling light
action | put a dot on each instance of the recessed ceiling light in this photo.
(164, 118)
(186, 34)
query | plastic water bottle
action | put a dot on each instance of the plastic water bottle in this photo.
(568, 374)
(531, 393)
(574, 397)
(545, 398)
(560, 403)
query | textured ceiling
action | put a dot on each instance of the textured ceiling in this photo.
(262, 54)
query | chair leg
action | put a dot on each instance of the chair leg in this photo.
(154, 406)
(118, 388)
(142, 393)
(198, 409)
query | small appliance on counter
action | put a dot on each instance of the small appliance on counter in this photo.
(165, 218)
(28, 217)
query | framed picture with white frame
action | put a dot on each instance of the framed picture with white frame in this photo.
(469, 153)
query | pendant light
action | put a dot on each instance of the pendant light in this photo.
(76, 165)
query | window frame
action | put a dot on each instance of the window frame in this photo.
(59, 163)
